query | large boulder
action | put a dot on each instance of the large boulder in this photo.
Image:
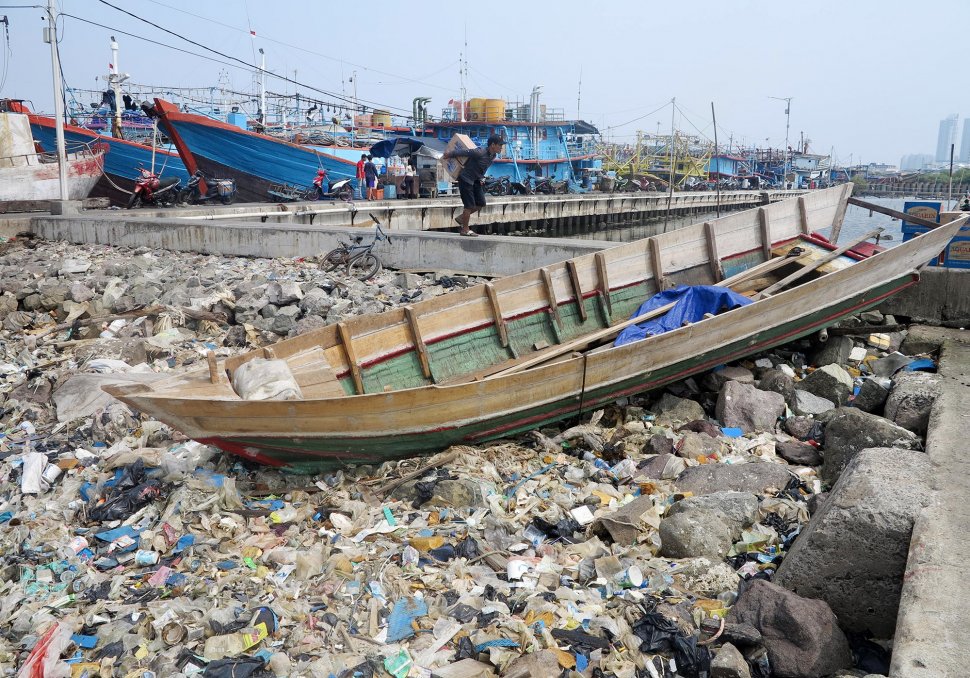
(670, 408)
(852, 554)
(738, 510)
(716, 379)
(797, 452)
(835, 351)
(911, 399)
(695, 533)
(748, 408)
(923, 339)
(777, 381)
(802, 636)
(755, 477)
(696, 445)
(830, 382)
(872, 395)
(851, 430)
(807, 404)
(729, 663)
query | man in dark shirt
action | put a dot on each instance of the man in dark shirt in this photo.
(470, 178)
(370, 175)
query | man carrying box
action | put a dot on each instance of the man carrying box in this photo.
(470, 187)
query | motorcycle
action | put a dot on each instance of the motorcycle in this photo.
(153, 190)
(497, 185)
(223, 189)
(544, 186)
(341, 189)
(523, 187)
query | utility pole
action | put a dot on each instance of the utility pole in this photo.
(50, 36)
(787, 101)
(115, 78)
(262, 88)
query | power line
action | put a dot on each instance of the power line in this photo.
(246, 64)
(645, 115)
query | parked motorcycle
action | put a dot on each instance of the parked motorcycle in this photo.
(497, 185)
(222, 189)
(523, 187)
(341, 189)
(151, 189)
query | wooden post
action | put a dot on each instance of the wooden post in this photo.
(503, 331)
(763, 220)
(577, 290)
(603, 277)
(717, 272)
(550, 295)
(418, 341)
(348, 345)
(657, 264)
(210, 358)
(803, 214)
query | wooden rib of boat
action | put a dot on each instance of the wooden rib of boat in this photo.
(505, 357)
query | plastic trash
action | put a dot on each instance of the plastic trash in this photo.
(262, 379)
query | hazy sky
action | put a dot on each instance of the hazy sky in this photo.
(870, 79)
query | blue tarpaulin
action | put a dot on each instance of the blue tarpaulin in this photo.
(691, 303)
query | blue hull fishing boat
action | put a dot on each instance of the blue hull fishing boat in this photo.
(122, 161)
(257, 162)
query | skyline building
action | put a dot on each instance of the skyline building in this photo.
(947, 137)
(965, 141)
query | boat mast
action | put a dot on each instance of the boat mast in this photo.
(114, 80)
(50, 36)
(262, 88)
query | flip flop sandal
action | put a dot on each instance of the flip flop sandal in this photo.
(468, 234)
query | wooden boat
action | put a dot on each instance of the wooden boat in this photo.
(508, 356)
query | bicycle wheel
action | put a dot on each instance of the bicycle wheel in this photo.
(364, 267)
(334, 259)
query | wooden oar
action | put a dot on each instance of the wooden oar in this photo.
(873, 207)
(805, 270)
(605, 333)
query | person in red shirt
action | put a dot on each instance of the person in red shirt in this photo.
(360, 174)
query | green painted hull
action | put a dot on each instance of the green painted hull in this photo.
(311, 454)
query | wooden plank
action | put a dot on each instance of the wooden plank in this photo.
(210, 358)
(805, 270)
(551, 295)
(717, 271)
(577, 289)
(603, 281)
(919, 221)
(840, 210)
(765, 224)
(656, 263)
(347, 341)
(503, 330)
(418, 341)
(803, 215)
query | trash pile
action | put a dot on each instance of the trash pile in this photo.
(640, 540)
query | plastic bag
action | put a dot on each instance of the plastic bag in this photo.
(261, 379)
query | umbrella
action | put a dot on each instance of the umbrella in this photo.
(405, 146)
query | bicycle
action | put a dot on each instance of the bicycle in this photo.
(359, 259)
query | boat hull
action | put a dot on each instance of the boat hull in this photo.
(121, 162)
(42, 181)
(257, 162)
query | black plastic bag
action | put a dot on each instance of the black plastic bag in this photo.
(467, 548)
(234, 667)
(130, 492)
(466, 649)
(659, 634)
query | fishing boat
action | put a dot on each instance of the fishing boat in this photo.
(522, 351)
(122, 158)
(27, 174)
(258, 162)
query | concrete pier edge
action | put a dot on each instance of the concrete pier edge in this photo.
(934, 612)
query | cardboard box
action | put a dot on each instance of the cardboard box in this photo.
(452, 166)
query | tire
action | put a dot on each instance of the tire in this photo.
(227, 199)
(334, 259)
(364, 267)
(346, 194)
(134, 201)
(184, 195)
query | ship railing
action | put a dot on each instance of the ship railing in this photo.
(73, 149)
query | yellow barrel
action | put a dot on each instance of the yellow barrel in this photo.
(476, 109)
(494, 110)
(381, 118)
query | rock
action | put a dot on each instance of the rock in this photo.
(457, 494)
(716, 379)
(308, 324)
(756, 478)
(922, 339)
(248, 308)
(852, 554)
(701, 426)
(802, 636)
(816, 501)
(408, 281)
(797, 452)
(670, 408)
(743, 635)
(694, 533)
(799, 427)
(69, 266)
(871, 317)
(283, 293)
(872, 395)
(661, 467)
(659, 444)
(830, 382)
(807, 404)
(729, 663)
(748, 408)
(737, 510)
(316, 302)
(835, 351)
(285, 320)
(80, 292)
(911, 399)
(696, 445)
(777, 381)
(851, 431)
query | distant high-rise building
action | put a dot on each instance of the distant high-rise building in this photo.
(915, 161)
(965, 142)
(947, 137)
